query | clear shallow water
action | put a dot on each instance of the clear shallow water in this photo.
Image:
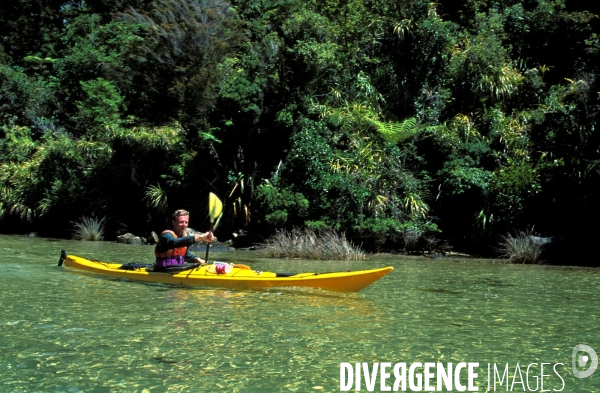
(65, 331)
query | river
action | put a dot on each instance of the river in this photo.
(65, 331)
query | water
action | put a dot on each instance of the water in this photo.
(65, 331)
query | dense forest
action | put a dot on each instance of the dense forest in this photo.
(403, 123)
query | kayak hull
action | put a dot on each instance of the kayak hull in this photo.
(237, 278)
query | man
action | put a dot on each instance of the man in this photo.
(172, 249)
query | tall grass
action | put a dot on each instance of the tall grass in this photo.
(309, 244)
(523, 247)
(89, 228)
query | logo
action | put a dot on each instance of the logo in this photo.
(581, 361)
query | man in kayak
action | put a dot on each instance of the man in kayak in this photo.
(172, 249)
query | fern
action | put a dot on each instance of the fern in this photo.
(395, 132)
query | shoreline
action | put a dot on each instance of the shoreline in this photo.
(417, 256)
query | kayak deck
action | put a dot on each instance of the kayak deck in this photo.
(237, 278)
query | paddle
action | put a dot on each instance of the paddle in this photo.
(215, 208)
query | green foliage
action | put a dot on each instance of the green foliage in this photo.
(17, 143)
(156, 197)
(47, 175)
(31, 28)
(318, 225)
(47, 178)
(395, 132)
(279, 207)
(363, 185)
(241, 189)
(492, 166)
(387, 120)
(394, 228)
(178, 52)
(483, 61)
(97, 58)
(237, 86)
(310, 158)
(101, 108)
(24, 100)
(420, 61)
(311, 43)
(463, 174)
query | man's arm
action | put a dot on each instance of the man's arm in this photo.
(207, 237)
(167, 241)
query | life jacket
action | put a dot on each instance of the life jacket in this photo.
(172, 256)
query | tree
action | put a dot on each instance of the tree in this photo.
(175, 58)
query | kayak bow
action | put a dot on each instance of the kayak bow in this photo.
(237, 278)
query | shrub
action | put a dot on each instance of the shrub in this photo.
(280, 206)
(308, 244)
(89, 228)
(523, 247)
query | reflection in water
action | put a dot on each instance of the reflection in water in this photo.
(70, 332)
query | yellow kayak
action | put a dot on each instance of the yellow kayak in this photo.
(240, 277)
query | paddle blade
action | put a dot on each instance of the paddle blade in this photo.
(215, 207)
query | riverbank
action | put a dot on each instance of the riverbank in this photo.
(528, 246)
(227, 251)
(551, 255)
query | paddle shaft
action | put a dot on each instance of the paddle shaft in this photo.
(208, 244)
(207, 248)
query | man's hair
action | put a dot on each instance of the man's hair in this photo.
(179, 213)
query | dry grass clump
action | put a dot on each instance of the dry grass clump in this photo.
(523, 247)
(89, 228)
(308, 244)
